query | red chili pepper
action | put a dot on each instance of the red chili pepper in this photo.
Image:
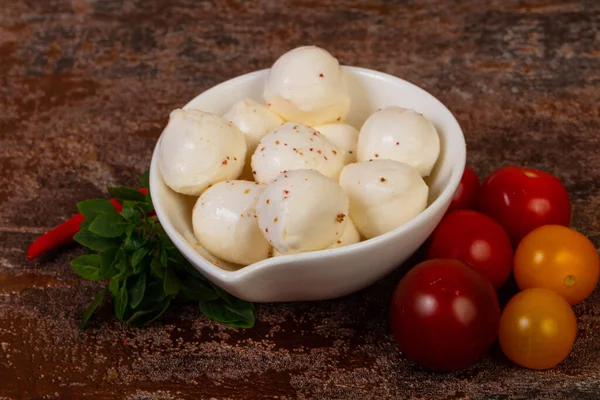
(63, 233)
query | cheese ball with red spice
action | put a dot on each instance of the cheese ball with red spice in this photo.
(198, 149)
(384, 194)
(399, 134)
(295, 146)
(349, 236)
(226, 225)
(254, 120)
(343, 136)
(307, 85)
(302, 210)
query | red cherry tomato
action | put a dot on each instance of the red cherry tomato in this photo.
(522, 199)
(444, 315)
(477, 240)
(465, 196)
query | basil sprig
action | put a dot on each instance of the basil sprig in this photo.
(144, 272)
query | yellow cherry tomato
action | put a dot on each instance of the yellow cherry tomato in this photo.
(560, 259)
(537, 329)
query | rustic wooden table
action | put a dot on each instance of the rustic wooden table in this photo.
(86, 88)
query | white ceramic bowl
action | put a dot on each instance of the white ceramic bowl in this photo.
(331, 273)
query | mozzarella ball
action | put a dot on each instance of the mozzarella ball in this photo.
(225, 222)
(307, 85)
(400, 134)
(301, 211)
(349, 236)
(295, 146)
(384, 194)
(254, 120)
(344, 137)
(198, 149)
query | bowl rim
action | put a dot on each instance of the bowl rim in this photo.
(432, 209)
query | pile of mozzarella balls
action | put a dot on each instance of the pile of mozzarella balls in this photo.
(289, 176)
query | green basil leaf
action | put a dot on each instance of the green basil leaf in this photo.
(108, 225)
(141, 318)
(121, 301)
(187, 267)
(197, 290)
(129, 230)
(239, 316)
(154, 291)
(136, 293)
(148, 199)
(138, 256)
(85, 224)
(94, 207)
(129, 212)
(108, 261)
(172, 285)
(95, 242)
(91, 308)
(145, 179)
(87, 266)
(123, 193)
(113, 286)
(164, 259)
(157, 268)
(133, 242)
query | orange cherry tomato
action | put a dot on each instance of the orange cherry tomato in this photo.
(537, 329)
(560, 259)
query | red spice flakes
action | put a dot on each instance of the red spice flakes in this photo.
(285, 144)
(267, 230)
(277, 142)
(262, 149)
(397, 143)
(295, 149)
(268, 201)
(340, 217)
(315, 133)
(285, 176)
(376, 155)
(224, 162)
(321, 75)
(311, 149)
(383, 179)
(334, 152)
(325, 157)
(286, 191)
(246, 191)
(275, 219)
(339, 242)
(319, 151)
(253, 172)
(255, 216)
